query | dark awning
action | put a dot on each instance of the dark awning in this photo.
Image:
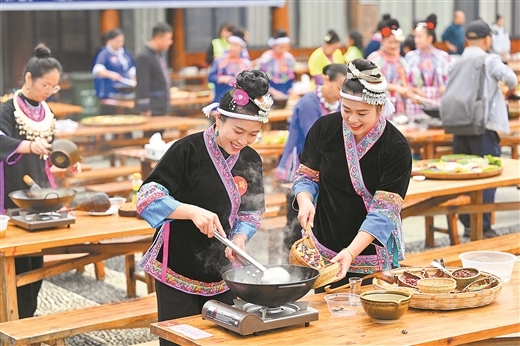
(39, 5)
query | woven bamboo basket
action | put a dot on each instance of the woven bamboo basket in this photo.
(305, 253)
(445, 301)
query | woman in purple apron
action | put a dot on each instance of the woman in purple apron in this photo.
(26, 134)
(354, 172)
(208, 181)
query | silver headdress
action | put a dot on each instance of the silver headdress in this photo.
(374, 83)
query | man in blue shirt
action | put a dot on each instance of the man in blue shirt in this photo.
(454, 34)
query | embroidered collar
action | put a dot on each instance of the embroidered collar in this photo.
(33, 122)
(224, 167)
(332, 107)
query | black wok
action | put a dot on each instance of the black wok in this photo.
(252, 290)
(42, 200)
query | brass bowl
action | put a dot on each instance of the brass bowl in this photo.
(385, 306)
(65, 153)
(463, 282)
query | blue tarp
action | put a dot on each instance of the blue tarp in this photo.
(39, 5)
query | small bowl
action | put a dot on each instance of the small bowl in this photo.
(494, 262)
(116, 202)
(436, 285)
(419, 177)
(385, 306)
(4, 220)
(342, 304)
(466, 280)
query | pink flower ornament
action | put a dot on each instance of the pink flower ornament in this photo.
(241, 97)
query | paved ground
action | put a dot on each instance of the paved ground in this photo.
(72, 290)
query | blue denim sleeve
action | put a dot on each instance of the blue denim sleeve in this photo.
(157, 211)
(379, 226)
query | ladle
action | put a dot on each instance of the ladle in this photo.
(238, 251)
(386, 276)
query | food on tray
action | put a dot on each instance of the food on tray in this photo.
(458, 165)
(463, 273)
(128, 210)
(273, 137)
(114, 120)
(311, 256)
(96, 202)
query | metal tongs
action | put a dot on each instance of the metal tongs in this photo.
(440, 265)
(241, 253)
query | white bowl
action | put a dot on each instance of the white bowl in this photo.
(494, 262)
(343, 304)
(116, 202)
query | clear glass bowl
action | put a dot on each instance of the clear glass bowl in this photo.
(342, 304)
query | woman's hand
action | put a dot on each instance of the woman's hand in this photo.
(74, 169)
(206, 221)
(344, 258)
(240, 241)
(39, 147)
(306, 209)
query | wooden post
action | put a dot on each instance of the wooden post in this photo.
(179, 53)
(280, 18)
(109, 20)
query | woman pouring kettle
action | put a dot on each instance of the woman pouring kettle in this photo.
(26, 134)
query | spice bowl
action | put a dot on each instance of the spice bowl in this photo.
(385, 306)
(465, 276)
(342, 304)
(436, 285)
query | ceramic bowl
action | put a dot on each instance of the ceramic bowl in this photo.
(385, 306)
(116, 202)
(464, 281)
(436, 285)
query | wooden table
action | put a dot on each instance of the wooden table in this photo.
(61, 110)
(193, 99)
(423, 327)
(79, 238)
(435, 192)
(92, 142)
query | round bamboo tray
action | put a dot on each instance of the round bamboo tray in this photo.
(445, 301)
(451, 176)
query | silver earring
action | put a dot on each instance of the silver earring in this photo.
(216, 133)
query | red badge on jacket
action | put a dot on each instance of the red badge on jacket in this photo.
(241, 184)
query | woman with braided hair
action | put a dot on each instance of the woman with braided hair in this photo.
(353, 175)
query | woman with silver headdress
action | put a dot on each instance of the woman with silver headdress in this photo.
(206, 182)
(354, 172)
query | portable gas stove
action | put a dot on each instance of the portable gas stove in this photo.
(246, 318)
(35, 221)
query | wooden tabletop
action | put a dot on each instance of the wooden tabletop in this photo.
(152, 124)
(61, 110)
(86, 229)
(423, 327)
(433, 188)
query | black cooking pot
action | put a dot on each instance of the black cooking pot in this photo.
(251, 289)
(42, 200)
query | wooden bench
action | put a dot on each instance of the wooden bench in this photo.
(507, 243)
(101, 175)
(118, 188)
(54, 328)
(275, 204)
(451, 230)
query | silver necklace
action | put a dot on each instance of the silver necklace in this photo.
(332, 107)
